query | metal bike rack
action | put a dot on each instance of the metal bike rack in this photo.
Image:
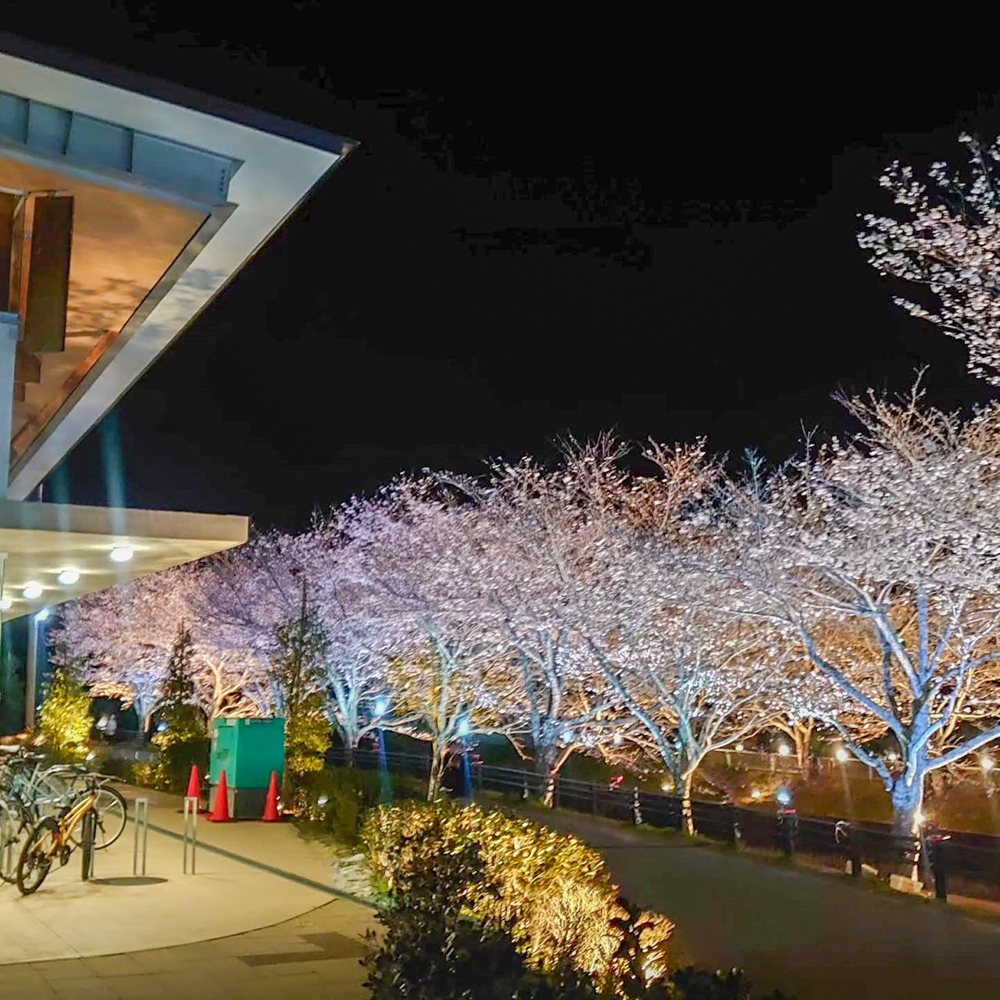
(140, 818)
(190, 830)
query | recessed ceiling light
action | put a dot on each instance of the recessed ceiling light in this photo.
(5, 603)
(122, 553)
(32, 592)
(69, 576)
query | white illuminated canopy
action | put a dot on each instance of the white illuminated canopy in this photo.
(65, 551)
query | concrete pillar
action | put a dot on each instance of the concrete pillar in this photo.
(9, 330)
(9, 327)
(31, 675)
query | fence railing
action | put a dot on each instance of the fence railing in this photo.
(945, 861)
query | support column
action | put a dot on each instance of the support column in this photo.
(31, 674)
(9, 329)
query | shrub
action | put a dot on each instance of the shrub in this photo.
(65, 721)
(550, 891)
(337, 799)
(171, 770)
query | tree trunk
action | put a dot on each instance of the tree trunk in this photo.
(439, 757)
(906, 802)
(687, 810)
(548, 761)
(802, 737)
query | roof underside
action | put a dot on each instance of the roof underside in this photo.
(42, 540)
(166, 204)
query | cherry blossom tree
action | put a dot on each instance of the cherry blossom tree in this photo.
(609, 562)
(880, 556)
(946, 238)
(258, 588)
(537, 523)
(123, 635)
(695, 680)
(411, 548)
(799, 729)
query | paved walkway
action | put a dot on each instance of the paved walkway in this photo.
(249, 875)
(257, 919)
(311, 957)
(815, 936)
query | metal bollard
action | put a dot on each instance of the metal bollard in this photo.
(939, 865)
(190, 830)
(87, 838)
(734, 821)
(140, 818)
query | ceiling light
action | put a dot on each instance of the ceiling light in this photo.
(5, 603)
(32, 592)
(122, 553)
(69, 576)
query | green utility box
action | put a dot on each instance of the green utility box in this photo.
(248, 750)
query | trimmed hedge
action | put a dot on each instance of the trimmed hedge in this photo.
(550, 891)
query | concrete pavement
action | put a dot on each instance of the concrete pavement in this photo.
(250, 876)
(314, 956)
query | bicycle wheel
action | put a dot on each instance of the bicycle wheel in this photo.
(111, 813)
(36, 858)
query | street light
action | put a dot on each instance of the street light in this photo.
(784, 749)
(842, 755)
(986, 763)
(783, 796)
(380, 706)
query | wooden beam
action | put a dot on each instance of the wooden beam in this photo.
(8, 206)
(43, 310)
(27, 367)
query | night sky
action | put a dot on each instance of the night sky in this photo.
(507, 259)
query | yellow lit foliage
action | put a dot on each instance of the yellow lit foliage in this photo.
(65, 718)
(550, 889)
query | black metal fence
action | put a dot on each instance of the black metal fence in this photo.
(945, 861)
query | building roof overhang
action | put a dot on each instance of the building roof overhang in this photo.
(42, 540)
(173, 193)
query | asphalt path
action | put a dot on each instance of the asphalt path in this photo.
(815, 936)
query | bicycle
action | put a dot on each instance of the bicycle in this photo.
(44, 791)
(53, 839)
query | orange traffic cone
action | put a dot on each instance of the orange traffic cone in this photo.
(271, 814)
(220, 814)
(194, 783)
